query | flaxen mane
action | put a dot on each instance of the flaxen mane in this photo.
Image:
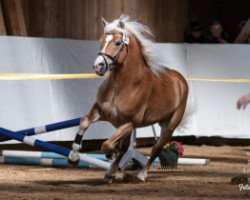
(142, 33)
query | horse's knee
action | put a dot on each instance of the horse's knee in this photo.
(107, 149)
(84, 123)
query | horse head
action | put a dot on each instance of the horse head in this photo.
(114, 47)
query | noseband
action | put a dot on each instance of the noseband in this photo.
(114, 59)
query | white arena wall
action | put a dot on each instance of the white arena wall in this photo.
(212, 105)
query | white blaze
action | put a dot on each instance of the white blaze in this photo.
(99, 58)
(108, 39)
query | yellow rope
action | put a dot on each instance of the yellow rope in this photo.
(9, 76)
(48, 76)
(225, 80)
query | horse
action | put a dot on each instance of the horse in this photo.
(138, 92)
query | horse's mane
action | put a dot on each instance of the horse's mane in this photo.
(143, 34)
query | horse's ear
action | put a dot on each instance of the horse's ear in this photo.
(104, 22)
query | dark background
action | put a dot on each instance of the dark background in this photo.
(79, 19)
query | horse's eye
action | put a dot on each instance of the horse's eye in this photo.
(117, 44)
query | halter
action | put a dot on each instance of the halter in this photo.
(125, 41)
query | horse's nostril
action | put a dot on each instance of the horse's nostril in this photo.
(102, 64)
(96, 66)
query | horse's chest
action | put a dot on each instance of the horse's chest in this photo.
(110, 111)
(112, 108)
(120, 106)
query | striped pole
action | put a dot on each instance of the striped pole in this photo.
(30, 154)
(49, 162)
(54, 148)
(45, 128)
(52, 155)
(43, 154)
(190, 161)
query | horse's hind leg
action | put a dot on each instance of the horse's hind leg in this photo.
(167, 129)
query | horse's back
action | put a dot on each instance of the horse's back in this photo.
(168, 73)
(170, 78)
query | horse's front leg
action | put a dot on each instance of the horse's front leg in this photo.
(118, 145)
(93, 116)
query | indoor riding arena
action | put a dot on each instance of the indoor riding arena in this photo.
(124, 99)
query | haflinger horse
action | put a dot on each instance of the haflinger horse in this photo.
(137, 93)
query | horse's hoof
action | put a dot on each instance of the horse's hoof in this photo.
(129, 177)
(74, 158)
(109, 178)
(142, 175)
(73, 163)
(110, 155)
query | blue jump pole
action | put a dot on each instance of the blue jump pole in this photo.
(50, 162)
(43, 154)
(52, 147)
(45, 128)
(34, 142)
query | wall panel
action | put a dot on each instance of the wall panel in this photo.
(2, 25)
(80, 19)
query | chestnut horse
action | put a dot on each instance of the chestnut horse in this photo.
(138, 92)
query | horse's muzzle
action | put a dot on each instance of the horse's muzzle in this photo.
(100, 69)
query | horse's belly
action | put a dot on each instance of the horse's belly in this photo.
(157, 111)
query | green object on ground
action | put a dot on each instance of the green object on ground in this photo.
(169, 157)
